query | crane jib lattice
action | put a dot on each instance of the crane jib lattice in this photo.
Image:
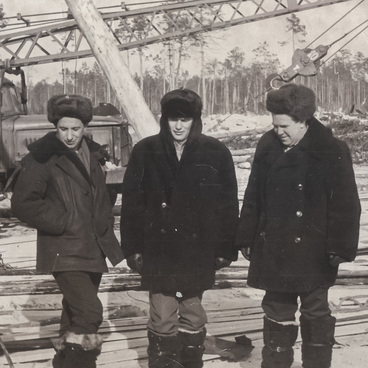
(34, 40)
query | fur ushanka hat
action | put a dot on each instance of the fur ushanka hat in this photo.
(71, 106)
(297, 101)
(181, 102)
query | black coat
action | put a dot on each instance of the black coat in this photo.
(70, 209)
(299, 206)
(179, 215)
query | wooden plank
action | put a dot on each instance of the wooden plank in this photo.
(132, 349)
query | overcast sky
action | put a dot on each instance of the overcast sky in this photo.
(247, 36)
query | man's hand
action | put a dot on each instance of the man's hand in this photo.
(246, 253)
(221, 263)
(335, 260)
(135, 262)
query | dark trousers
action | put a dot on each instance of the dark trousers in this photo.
(82, 309)
(281, 307)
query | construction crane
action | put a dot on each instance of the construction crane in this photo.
(38, 41)
(85, 31)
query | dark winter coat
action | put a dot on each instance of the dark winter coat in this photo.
(69, 208)
(179, 215)
(298, 207)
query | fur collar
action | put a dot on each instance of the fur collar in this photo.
(47, 146)
(315, 142)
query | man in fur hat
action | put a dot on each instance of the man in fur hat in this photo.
(178, 223)
(299, 221)
(61, 192)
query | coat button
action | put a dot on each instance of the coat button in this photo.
(300, 186)
(297, 240)
(163, 205)
(299, 213)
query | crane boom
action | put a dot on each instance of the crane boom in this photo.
(63, 40)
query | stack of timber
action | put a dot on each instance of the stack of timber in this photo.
(125, 342)
(30, 308)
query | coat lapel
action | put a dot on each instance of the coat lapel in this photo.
(70, 169)
(314, 143)
(48, 146)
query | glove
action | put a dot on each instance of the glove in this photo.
(221, 263)
(334, 260)
(135, 262)
(246, 253)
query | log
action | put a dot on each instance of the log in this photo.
(240, 133)
(231, 277)
(242, 152)
(239, 159)
(101, 41)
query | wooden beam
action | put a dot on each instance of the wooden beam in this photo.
(104, 48)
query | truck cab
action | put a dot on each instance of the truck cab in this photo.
(18, 130)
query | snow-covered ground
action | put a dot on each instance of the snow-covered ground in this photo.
(350, 351)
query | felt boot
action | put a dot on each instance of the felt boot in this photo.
(58, 360)
(278, 339)
(192, 348)
(163, 351)
(318, 340)
(59, 346)
(81, 350)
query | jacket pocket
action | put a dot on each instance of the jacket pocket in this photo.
(206, 174)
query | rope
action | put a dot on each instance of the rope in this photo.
(136, 299)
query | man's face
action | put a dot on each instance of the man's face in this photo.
(180, 128)
(289, 131)
(70, 131)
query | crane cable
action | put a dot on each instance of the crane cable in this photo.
(307, 61)
(337, 40)
(324, 62)
(335, 23)
(352, 30)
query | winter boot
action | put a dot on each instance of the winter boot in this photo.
(318, 339)
(192, 348)
(163, 351)
(58, 360)
(279, 339)
(81, 351)
(59, 346)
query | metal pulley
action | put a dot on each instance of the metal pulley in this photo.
(304, 62)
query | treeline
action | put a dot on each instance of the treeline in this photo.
(225, 87)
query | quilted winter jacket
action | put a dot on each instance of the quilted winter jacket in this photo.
(299, 206)
(70, 209)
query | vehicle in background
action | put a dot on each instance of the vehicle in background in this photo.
(18, 130)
